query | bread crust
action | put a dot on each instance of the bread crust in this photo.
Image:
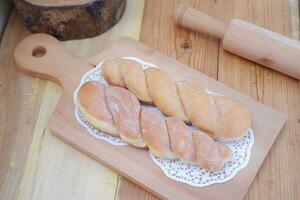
(111, 73)
(92, 105)
(163, 92)
(222, 117)
(134, 78)
(115, 108)
(125, 109)
(232, 112)
(199, 107)
(182, 143)
(208, 153)
(155, 133)
(225, 152)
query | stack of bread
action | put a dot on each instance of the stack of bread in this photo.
(115, 109)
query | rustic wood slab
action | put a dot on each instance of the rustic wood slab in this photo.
(70, 19)
(59, 2)
(43, 56)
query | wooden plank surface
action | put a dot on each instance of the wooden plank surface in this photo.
(279, 176)
(99, 181)
(20, 102)
(271, 88)
(28, 102)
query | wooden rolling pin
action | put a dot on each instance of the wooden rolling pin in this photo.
(247, 40)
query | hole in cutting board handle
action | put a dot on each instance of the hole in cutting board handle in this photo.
(39, 51)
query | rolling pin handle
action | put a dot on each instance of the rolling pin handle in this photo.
(247, 40)
(195, 20)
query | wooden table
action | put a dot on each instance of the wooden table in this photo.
(35, 165)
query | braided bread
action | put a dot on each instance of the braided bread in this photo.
(222, 117)
(116, 111)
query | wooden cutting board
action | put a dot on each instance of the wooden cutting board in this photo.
(43, 56)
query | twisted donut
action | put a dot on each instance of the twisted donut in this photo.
(222, 117)
(116, 111)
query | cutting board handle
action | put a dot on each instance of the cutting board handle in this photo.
(43, 56)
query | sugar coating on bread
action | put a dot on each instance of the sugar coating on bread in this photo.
(125, 109)
(222, 117)
(182, 143)
(155, 133)
(200, 108)
(92, 105)
(235, 119)
(134, 78)
(224, 151)
(117, 111)
(111, 73)
(163, 92)
(207, 152)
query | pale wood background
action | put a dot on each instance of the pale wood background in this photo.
(35, 165)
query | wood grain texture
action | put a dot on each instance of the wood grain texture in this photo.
(272, 181)
(20, 107)
(246, 40)
(279, 176)
(100, 182)
(55, 170)
(273, 89)
(199, 51)
(129, 191)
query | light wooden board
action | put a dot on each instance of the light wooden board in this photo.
(67, 69)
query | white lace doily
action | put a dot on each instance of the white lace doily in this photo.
(175, 169)
(95, 75)
(196, 176)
